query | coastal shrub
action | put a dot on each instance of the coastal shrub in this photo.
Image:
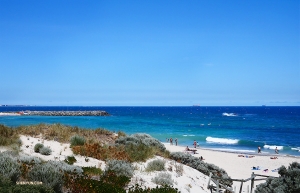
(7, 136)
(163, 178)
(70, 160)
(52, 173)
(102, 152)
(4, 183)
(156, 165)
(287, 182)
(9, 167)
(205, 168)
(139, 152)
(162, 189)
(77, 140)
(143, 138)
(141, 146)
(26, 188)
(45, 151)
(92, 171)
(82, 184)
(120, 168)
(29, 159)
(37, 147)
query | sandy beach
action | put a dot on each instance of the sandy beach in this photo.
(241, 167)
(237, 165)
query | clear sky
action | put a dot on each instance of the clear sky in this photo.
(150, 52)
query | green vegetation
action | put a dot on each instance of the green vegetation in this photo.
(156, 165)
(118, 151)
(8, 136)
(45, 151)
(161, 189)
(9, 167)
(163, 179)
(70, 160)
(201, 166)
(37, 147)
(288, 182)
(6, 186)
(77, 140)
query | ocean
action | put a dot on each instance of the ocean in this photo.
(238, 129)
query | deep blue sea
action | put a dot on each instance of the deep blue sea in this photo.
(240, 129)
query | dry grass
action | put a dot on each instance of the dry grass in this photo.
(63, 133)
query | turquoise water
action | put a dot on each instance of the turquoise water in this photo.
(224, 128)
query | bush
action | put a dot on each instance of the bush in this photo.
(52, 173)
(201, 166)
(120, 168)
(92, 171)
(156, 165)
(82, 184)
(26, 188)
(37, 147)
(77, 140)
(70, 160)
(29, 159)
(45, 151)
(288, 182)
(9, 167)
(141, 146)
(163, 179)
(143, 138)
(7, 136)
(163, 189)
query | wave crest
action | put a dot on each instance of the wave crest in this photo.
(229, 114)
(221, 140)
(273, 147)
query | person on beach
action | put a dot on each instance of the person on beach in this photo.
(187, 148)
(258, 149)
(195, 144)
(276, 150)
(176, 141)
(171, 141)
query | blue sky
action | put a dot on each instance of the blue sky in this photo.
(144, 53)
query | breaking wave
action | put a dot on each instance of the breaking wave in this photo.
(273, 147)
(221, 140)
(229, 114)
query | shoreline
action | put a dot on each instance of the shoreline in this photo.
(240, 167)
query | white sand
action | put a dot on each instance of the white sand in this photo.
(240, 167)
(189, 181)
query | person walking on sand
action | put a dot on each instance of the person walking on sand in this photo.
(176, 141)
(276, 150)
(258, 149)
(195, 144)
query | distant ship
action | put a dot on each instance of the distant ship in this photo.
(196, 105)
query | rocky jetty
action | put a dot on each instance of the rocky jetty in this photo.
(67, 113)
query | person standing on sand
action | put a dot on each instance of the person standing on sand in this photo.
(195, 144)
(176, 141)
(171, 141)
(276, 150)
(258, 149)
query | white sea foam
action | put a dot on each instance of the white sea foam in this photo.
(229, 114)
(221, 140)
(234, 150)
(273, 147)
(188, 135)
(296, 149)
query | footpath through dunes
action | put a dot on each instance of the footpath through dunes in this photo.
(66, 113)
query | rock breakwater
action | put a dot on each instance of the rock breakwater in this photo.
(67, 113)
